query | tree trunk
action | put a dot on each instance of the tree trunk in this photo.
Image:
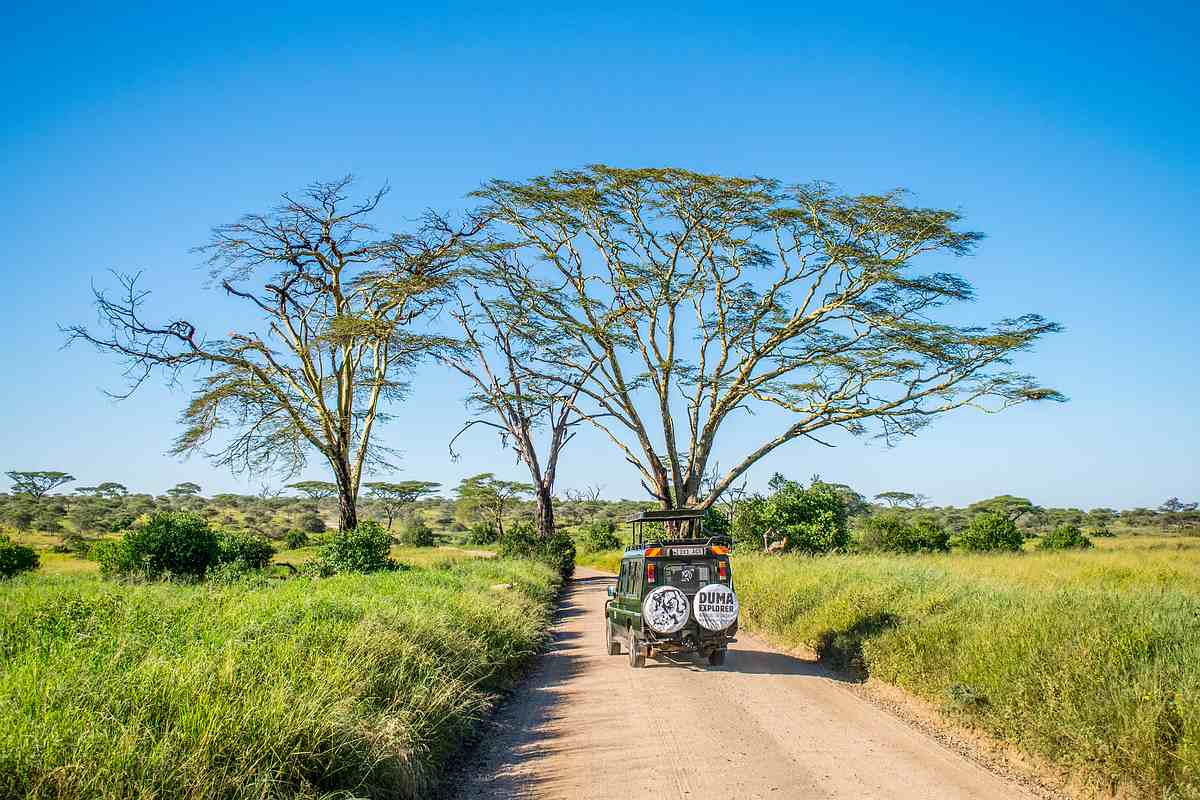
(545, 512)
(347, 502)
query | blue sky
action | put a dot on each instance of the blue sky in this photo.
(1070, 137)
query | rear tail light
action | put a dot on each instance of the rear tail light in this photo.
(723, 570)
(651, 569)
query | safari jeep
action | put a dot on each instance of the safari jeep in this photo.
(675, 591)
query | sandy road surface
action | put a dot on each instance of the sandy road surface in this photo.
(765, 725)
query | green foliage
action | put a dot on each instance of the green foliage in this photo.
(416, 533)
(37, 483)
(749, 524)
(716, 523)
(811, 520)
(359, 686)
(296, 539)
(991, 531)
(894, 533)
(173, 544)
(1065, 537)
(523, 541)
(15, 558)
(312, 523)
(250, 551)
(599, 535)
(364, 549)
(482, 532)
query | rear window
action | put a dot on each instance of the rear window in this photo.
(688, 576)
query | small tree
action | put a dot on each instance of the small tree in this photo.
(489, 496)
(1010, 507)
(898, 499)
(315, 491)
(335, 308)
(37, 484)
(991, 531)
(1065, 537)
(185, 489)
(395, 497)
(15, 558)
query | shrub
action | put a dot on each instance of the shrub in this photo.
(599, 535)
(253, 552)
(813, 520)
(523, 541)
(311, 523)
(122, 522)
(748, 524)
(892, 533)
(47, 524)
(364, 549)
(990, 531)
(715, 523)
(15, 558)
(481, 533)
(1102, 531)
(415, 533)
(170, 544)
(1065, 537)
(296, 539)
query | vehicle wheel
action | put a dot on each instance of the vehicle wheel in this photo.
(716, 658)
(614, 644)
(637, 658)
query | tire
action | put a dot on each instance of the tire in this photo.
(716, 658)
(637, 658)
(614, 644)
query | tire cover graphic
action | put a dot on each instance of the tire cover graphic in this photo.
(665, 609)
(716, 607)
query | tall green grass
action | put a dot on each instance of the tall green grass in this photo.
(1083, 663)
(350, 686)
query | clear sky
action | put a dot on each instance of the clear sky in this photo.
(1070, 137)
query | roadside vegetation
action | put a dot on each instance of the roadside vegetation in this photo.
(354, 685)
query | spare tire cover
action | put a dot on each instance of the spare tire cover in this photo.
(665, 609)
(715, 607)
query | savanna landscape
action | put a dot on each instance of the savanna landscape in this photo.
(561, 402)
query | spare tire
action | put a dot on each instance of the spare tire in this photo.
(665, 609)
(715, 607)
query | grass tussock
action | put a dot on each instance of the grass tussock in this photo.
(350, 686)
(1075, 658)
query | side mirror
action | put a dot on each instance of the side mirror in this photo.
(612, 592)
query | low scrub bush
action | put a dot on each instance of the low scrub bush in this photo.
(806, 520)
(893, 533)
(311, 523)
(599, 535)
(172, 544)
(990, 531)
(523, 541)
(15, 558)
(355, 686)
(1065, 537)
(296, 539)
(415, 533)
(481, 533)
(364, 549)
(250, 551)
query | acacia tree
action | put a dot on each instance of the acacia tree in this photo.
(37, 483)
(1008, 506)
(315, 491)
(499, 342)
(680, 299)
(491, 495)
(895, 499)
(335, 305)
(394, 497)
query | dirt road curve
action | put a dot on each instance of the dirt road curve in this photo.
(766, 725)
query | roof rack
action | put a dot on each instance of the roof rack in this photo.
(679, 526)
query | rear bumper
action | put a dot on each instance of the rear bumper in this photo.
(691, 639)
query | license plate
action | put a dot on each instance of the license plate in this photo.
(687, 551)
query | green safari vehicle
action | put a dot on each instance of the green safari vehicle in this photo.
(674, 594)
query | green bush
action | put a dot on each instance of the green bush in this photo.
(990, 531)
(748, 524)
(523, 541)
(415, 533)
(122, 522)
(364, 549)
(254, 552)
(890, 532)
(813, 520)
(481, 533)
(296, 539)
(1065, 537)
(311, 523)
(599, 535)
(170, 544)
(15, 558)
(715, 523)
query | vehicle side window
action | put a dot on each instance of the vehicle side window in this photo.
(621, 577)
(636, 583)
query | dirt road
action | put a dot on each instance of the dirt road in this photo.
(766, 725)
